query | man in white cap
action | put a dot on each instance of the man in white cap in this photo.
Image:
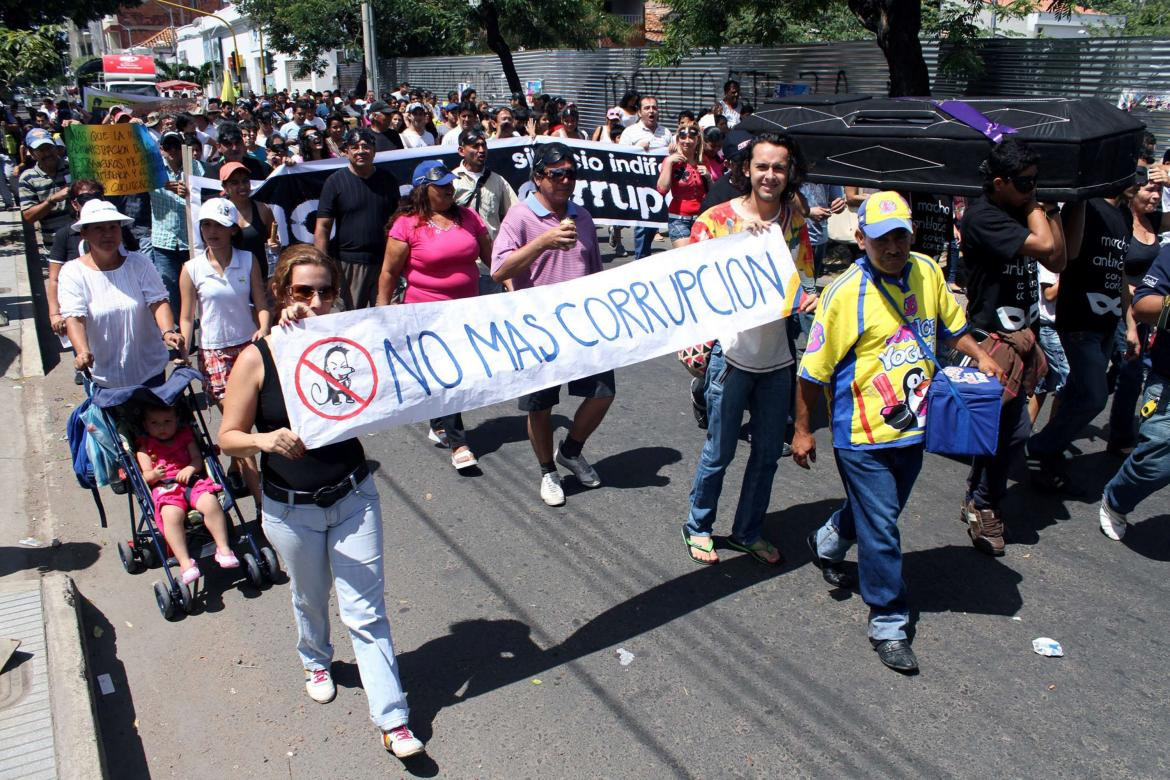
(43, 189)
(862, 357)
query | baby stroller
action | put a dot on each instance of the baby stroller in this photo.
(109, 421)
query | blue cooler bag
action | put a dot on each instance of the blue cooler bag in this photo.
(962, 412)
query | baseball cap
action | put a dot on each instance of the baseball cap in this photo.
(219, 210)
(229, 168)
(196, 111)
(36, 139)
(415, 107)
(450, 106)
(882, 212)
(614, 113)
(169, 136)
(431, 172)
(378, 105)
(734, 144)
(153, 118)
(472, 135)
(96, 211)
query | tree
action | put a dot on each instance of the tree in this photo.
(20, 14)
(417, 28)
(29, 56)
(898, 25)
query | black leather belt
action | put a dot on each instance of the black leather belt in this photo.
(323, 497)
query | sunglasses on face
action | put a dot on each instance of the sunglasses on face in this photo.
(688, 132)
(560, 174)
(305, 292)
(1023, 183)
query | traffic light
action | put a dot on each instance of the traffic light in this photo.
(269, 62)
(232, 61)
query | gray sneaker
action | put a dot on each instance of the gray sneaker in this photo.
(580, 469)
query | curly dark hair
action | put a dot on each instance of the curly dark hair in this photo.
(418, 205)
(797, 168)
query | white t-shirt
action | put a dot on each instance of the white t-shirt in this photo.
(290, 129)
(123, 336)
(732, 114)
(451, 137)
(627, 119)
(412, 140)
(637, 134)
(226, 319)
(1047, 308)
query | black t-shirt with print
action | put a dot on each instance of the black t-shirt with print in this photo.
(1157, 282)
(933, 223)
(1002, 292)
(1090, 284)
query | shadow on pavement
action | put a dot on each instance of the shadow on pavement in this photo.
(491, 435)
(480, 656)
(71, 556)
(637, 468)
(1150, 538)
(116, 716)
(958, 578)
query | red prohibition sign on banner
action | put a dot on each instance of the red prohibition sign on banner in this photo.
(332, 391)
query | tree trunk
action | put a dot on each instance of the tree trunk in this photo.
(496, 42)
(896, 23)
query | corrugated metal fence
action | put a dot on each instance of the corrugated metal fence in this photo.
(1096, 67)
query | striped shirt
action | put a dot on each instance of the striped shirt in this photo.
(168, 212)
(525, 222)
(35, 186)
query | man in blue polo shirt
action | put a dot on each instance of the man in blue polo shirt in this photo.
(862, 354)
(1147, 469)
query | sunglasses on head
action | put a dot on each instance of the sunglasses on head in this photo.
(560, 174)
(305, 292)
(85, 197)
(436, 173)
(1023, 183)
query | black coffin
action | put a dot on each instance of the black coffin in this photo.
(1087, 147)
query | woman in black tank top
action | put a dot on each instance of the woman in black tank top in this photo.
(253, 236)
(321, 510)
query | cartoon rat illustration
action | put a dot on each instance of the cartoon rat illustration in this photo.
(336, 364)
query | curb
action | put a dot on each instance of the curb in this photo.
(75, 728)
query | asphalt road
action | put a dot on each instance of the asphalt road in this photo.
(511, 620)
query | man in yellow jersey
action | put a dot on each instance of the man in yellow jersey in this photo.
(862, 353)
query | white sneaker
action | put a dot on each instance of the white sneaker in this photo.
(319, 684)
(1113, 523)
(550, 489)
(402, 742)
(580, 468)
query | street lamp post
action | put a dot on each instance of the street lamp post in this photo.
(219, 19)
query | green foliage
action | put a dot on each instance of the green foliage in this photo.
(306, 28)
(548, 24)
(21, 14)
(30, 56)
(1142, 17)
(712, 24)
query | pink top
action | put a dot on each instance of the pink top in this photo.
(171, 455)
(442, 265)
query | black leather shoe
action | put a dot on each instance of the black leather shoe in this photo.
(896, 654)
(833, 572)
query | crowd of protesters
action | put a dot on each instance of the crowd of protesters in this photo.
(1062, 301)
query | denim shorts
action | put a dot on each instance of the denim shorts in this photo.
(678, 227)
(601, 385)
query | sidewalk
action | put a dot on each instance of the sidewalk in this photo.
(47, 725)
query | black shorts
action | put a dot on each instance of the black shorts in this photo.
(601, 385)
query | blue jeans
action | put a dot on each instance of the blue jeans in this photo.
(341, 546)
(643, 241)
(1086, 391)
(1147, 469)
(1057, 363)
(730, 392)
(877, 484)
(169, 262)
(1130, 377)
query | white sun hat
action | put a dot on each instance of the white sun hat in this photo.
(96, 211)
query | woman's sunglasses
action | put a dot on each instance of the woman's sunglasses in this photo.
(305, 292)
(688, 132)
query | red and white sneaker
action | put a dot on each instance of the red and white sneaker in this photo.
(402, 742)
(319, 684)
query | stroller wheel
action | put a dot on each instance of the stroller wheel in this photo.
(271, 564)
(130, 559)
(166, 605)
(253, 569)
(185, 599)
(147, 554)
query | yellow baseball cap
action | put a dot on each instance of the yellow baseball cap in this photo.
(882, 212)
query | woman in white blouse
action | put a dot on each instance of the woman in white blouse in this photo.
(115, 305)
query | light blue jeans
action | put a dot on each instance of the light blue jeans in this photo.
(341, 546)
(730, 392)
(1147, 469)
